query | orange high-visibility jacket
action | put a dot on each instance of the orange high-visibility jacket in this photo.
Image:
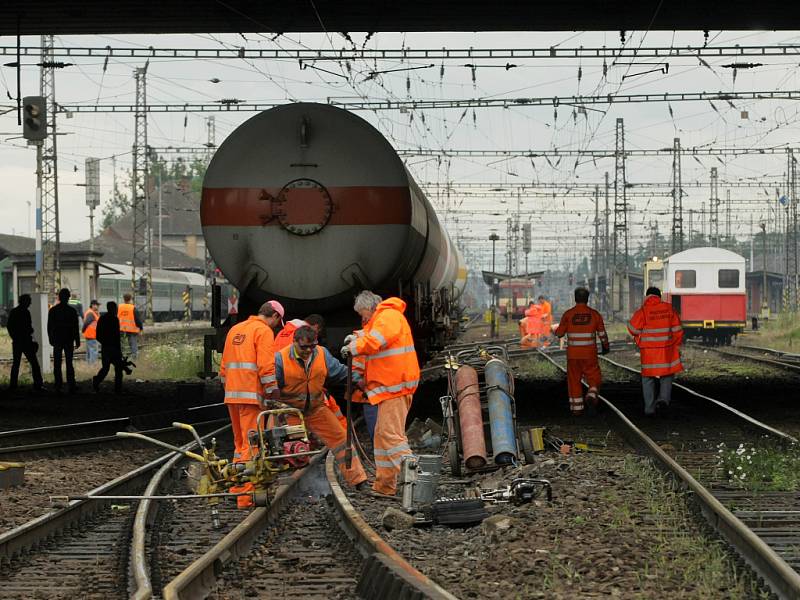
(286, 335)
(127, 319)
(90, 330)
(582, 326)
(301, 385)
(248, 362)
(656, 329)
(392, 369)
(547, 315)
(533, 320)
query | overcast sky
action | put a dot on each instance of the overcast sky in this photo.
(562, 225)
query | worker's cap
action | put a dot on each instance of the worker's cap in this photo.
(278, 308)
(94, 303)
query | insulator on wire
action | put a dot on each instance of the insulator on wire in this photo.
(605, 68)
(474, 119)
(441, 72)
(580, 74)
(408, 84)
(473, 69)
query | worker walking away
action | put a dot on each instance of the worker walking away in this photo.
(301, 371)
(63, 332)
(130, 323)
(247, 371)
(582, 325)
(90, 318)
(656, 329)
(108, 335)
(530, 327)
(20, 330)
(391, 378)
(547, 320)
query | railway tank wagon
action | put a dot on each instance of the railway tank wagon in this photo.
(309, 204)
(707, 288)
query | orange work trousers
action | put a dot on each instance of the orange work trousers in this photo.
(582, 368)
(243, 421)
(323, 423)
(390, 442)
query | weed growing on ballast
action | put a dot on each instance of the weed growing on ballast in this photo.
(760, 469)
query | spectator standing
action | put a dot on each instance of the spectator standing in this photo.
(20, 329)
(63, 331)
(90, 319)
(108, 334)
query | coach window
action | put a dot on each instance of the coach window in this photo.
(728, 278)
(686, 278)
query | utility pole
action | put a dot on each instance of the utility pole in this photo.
(606, 250)
(691, 226)
(620, 220)
(677, 198)
(493, 238)
(49, 281)
(211, 137)
(92, 171)
(596, 244)
(764, 288)
(713, 209)
(142, 262)
(728, 215)
(791, 172)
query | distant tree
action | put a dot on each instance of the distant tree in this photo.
(118, 204)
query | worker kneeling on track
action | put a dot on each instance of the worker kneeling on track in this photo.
(247, 371)
(301, 371)
(582, 325)
(391, 377)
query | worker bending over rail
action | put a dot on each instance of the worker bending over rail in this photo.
(656, 329)
(582, 326)
(531, 326)
(301, 371)
(391, 377)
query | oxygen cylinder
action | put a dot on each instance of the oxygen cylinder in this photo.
(501, 416)
(470, 417)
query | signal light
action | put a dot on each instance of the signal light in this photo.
(34, 122)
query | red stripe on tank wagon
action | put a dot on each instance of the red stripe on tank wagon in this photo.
(253, 207)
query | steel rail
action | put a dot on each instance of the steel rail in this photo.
(744, 416)
(327, 54)
(782, 579)
(30, 534)
(769, 361)
(100, 440)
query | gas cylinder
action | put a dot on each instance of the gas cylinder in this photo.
(501, 416)
(470, 418)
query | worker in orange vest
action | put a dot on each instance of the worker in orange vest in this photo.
(390, 380)
(656, 328)
(582, 326)
(130, 323)
(547, 320)
(530, 327)
(286, 337)
(301, 370)
(90, 318)
(247, 371)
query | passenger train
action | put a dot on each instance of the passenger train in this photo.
(707, 288)
(309, 204)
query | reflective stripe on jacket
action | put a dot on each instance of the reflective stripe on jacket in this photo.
(392, 369)
(248, 362)
(302, 386)
(582, 326)
(127, 318)
(656, 329)
(90, 327)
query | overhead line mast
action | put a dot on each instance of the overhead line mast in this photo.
(142, 263)
(50, 275)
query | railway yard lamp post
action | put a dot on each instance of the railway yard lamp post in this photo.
(764, 289)
(494, 237)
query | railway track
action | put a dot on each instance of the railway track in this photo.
(768, 356)
(761, 526)
(67, 437)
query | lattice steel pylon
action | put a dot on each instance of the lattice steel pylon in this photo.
(140, 198)
(50, 275)
(211, 137)
(791, 283)
(677, 198)
(620, 219)
(713, 209)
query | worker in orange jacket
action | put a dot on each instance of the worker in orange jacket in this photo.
(656, 329)
(130, 323)
(547, 320)
(286, 337)
(301, 371)
(390, 380)
(90, 319)
(530, 327)
(582, 326)
(247, 371)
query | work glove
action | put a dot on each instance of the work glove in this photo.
(605, 350)
(274, 395)
(345, 351)
(349, 338)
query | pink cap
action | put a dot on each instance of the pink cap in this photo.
(278, 308)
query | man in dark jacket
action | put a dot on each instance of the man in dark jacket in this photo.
(63, 331)
(109, 337)
(20, 329)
